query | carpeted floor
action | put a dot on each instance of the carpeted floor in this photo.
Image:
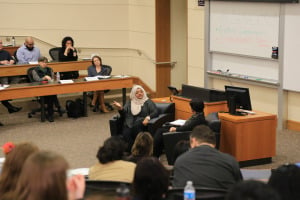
(79, 139)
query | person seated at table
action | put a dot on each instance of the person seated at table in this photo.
(96, 69)
(111, 167)
(142, 147)
(136, 114)
(44, 177)
(45, 73)
(68, 53)
(197, 118)
(28, 52)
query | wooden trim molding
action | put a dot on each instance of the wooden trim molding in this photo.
(293, 125)
(163, 46)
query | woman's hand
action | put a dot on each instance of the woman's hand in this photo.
(117, 105)
(146, 121)
(76, 187)
(172, 129)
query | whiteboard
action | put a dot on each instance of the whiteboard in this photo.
(244, 28)
(291, 48)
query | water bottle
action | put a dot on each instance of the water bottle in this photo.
(123, 192)
(13, 41)
(57, 76)
(189, 191)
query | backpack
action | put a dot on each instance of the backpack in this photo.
(75, 108)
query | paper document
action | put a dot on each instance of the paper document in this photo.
(101, 77)
(33, 62)
(82, 171)
(94, 78)
(66, 81)
(178, 122)
(3, 86)
(121, 76)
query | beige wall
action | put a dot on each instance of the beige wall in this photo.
(95, 25)
(195, 43)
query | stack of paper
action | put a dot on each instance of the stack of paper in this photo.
(101, 77)
(3, 86)
(178, 122)
(94, 78)
(66, 81)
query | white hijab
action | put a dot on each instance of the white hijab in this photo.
(136, 104)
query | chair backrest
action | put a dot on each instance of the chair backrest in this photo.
(109, 68)
(202, 193)
(54, 53)
(102, 188)
(170, 140)
(30, 75)
(165, 108)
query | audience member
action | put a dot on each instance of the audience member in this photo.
(205, 165)
(45, 73)
(181, 147)
(197, 118)
(252, 190)
(151, 180)
(6, 59)
(15, 157)
(111, 167)
(96, 69)
(142, 147)
(68, 53)
(136, 114)
(44, 176)
(28, 52)
(286, 180)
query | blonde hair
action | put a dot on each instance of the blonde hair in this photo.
(143, 145)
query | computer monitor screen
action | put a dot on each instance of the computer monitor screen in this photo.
(237, 97)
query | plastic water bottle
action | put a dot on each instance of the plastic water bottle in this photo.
(13, 41)
(57, 76)
(189, 191)
(123, 192)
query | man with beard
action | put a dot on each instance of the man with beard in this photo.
(28, 52)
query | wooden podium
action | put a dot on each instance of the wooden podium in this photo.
(251, 139)
(183, 109)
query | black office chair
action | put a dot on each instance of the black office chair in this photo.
(107, 189)
(90, 94)
(166, 113)
(54, 53)
(202, 193)
(172, 138)
(38, 99)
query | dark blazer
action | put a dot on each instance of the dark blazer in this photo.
(194, 120)
(148, 109)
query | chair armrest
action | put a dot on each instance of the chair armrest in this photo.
(157, 122)
(116, 125)
(170, 140)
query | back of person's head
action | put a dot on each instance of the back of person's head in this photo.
(203, 134)
(181, 147)
(197, 105)
(43, 177)
(143, 145)
(286, 180)
(252, 190)
(12, 167)
(43, 59)
(112, 149)
(65, 39)
(150, 180)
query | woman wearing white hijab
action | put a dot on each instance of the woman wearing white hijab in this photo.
(136, 113)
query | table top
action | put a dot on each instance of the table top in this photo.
(259, 115)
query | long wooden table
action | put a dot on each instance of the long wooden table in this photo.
(79, 85)
(17, 70)
(250, 139)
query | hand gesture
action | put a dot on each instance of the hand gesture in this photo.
(172, 129)
(76, 187)
(117, 105)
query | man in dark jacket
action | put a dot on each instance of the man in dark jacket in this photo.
(197, 118)
(204, 165)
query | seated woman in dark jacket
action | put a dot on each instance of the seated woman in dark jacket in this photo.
(136, 114)
(68, 53)
(45, 73)
(197, 118)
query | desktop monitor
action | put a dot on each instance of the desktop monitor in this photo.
(237, 98)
